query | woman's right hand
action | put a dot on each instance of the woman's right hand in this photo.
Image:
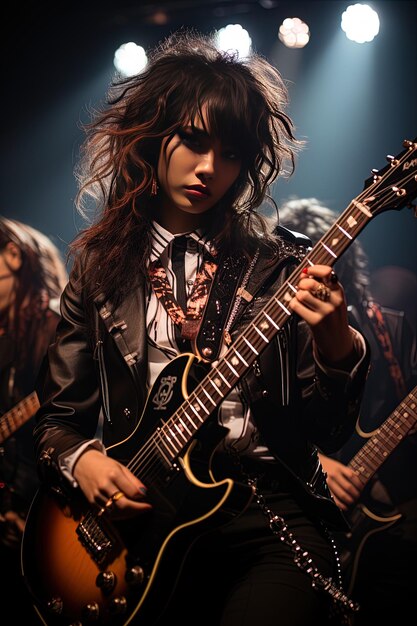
(343, 482)
(105, 481)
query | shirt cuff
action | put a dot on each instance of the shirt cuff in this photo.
(66, 463)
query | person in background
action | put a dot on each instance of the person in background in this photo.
(386, 576)
(32, 276)
(179, 260)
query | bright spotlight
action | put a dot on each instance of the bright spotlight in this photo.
(234, 37)
(294, 33)
(360, 23)
(130, 59)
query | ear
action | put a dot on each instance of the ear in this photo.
(12, 256)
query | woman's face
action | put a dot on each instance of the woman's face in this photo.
(195, 171)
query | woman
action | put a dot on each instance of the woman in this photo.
(32, 276)
(189, 148)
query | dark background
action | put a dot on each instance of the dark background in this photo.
(354, 104)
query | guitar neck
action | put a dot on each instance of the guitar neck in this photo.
(393, 187)
(11, 421)
(378, 448)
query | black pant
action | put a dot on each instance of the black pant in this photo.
(243, 575)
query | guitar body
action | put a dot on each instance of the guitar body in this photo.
(69, 550)
(364, 524)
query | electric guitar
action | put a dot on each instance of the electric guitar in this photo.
(11, 421)
(366, 463)
(82, 567)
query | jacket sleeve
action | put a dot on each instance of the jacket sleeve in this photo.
(67, 387)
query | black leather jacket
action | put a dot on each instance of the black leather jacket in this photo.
(98, 366)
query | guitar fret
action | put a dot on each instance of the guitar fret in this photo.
(223, 378)
(209, 396)
(196, 412)
(329, 250)
(342, 230)
(190, 420)
(250, 346)
(203, 406)
(232, 369)
(294, 289)
(284, 308)
(174, 440)
(181, 432)
(260, 334)
(240, 357)
(185, 426)
(216, 388)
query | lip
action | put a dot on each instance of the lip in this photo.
(198, 191)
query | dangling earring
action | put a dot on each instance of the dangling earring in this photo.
(154, 187)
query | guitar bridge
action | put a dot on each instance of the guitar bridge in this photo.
(94, 538)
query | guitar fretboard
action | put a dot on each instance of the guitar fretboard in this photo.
(177, 431)
(378, 448)
(18, 415)
(393, 187)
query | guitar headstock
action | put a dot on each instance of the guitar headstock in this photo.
(395, 185)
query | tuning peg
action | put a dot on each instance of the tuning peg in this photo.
(389, 158)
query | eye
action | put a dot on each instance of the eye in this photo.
(231, 154)
(190, 139)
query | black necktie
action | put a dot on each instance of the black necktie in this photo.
(179, 247)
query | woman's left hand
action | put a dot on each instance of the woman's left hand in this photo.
(320, 301)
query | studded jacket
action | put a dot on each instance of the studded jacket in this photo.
(94, 384)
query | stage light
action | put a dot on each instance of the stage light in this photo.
(294, 33)
(360, 23)
(130, 59)
(234, 37)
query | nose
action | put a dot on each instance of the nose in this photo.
(206, 165)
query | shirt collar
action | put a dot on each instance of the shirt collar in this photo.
(161, 238)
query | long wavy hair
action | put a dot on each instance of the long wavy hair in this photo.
(245, 101)
(38, 285)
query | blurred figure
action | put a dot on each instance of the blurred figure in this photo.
(383, 509)
(396, 287)
(32, 275)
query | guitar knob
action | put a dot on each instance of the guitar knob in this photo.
(91, 612)
(55, 606)
(118, 606)
(135, 575)
(106, 581)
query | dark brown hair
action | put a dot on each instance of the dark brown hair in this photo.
(38, 286)
(245, 102)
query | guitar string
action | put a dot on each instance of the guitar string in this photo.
(371, 453)
(171, 423)
(322, 256)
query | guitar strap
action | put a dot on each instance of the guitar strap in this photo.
(219, 306)
(374, 313)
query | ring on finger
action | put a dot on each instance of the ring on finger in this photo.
(333, 279)
(322, 293)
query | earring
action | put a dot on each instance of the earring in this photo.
(154, 187)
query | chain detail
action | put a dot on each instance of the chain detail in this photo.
(238, 299)
(342, 604)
